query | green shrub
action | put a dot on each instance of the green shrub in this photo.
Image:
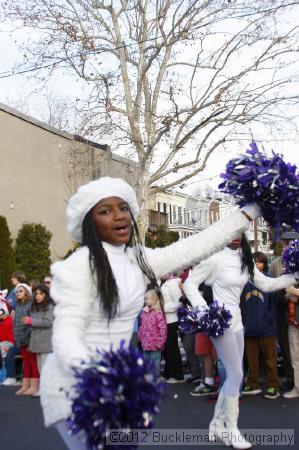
(32, 250)
(161, 237)
(7, 255)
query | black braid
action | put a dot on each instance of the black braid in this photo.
(100, 268)
(138, 249)
(247, 258)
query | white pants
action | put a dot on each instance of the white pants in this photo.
(41, 359)
(73, 442)
(230, 349)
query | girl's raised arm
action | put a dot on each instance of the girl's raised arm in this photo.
(189, 251)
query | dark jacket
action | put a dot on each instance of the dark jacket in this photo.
(22, 332)
(258, 312)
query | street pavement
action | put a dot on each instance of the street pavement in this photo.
(21, 422)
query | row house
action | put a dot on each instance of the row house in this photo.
(187, 215)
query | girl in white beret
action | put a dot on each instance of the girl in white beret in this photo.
(99, 290)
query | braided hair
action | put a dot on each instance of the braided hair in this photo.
(102, 271)
(247, 257)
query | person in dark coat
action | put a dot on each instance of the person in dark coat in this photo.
(259, 316)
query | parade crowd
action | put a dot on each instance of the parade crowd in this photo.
(270, 320)
(113, 289)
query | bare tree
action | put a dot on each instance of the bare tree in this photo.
(170, 80)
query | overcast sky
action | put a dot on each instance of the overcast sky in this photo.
(16, 89)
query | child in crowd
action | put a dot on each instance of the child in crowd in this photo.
(41, 322)
(16, 278)
(6, 333)
(293, 330)
(259, 317)
(153, 329)
(22, 337)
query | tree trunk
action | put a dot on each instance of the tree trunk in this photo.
(143, 190)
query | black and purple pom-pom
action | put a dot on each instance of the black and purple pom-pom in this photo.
(290, 257)
(117, 390)
(269, 182)
(211, 321)
(188, 319)
(215, 320)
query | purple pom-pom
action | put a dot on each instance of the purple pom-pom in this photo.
(211, 321)
(215, 320)
(290, 257)
(269, 182)
(188, 319)
(115, 390)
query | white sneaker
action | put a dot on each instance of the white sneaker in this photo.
(9, 382)
(174, 380)
(291, 394)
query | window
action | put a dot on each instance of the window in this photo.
(174, 214)
(180, 218)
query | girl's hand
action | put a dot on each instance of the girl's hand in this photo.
(291, 290)
(27, 320)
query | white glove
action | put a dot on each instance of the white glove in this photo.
(252, 210)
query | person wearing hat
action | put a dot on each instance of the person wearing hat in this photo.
(22, 337)
(275, 270)
(99, 289)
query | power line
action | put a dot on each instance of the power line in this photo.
(95, 52)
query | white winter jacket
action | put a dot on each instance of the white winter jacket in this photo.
(80, 326)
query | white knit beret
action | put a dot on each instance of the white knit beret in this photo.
(25, 286)
(90, 194)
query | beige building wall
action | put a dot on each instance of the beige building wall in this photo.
(40, 167)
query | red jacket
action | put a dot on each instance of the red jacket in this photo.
(6, 330)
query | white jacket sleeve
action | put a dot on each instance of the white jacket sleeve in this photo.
(268, 284)
(171, 295)
(72, 308)
(189, 251)
(197, 276)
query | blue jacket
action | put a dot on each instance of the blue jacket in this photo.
(258, 312)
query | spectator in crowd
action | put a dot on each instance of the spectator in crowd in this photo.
(293, 329)
(16, 278)
(259, 318)
(275, 270)
(6, 334)
(173, 368)
(41, 323)
(22, 337)
(11, 366)
(205, 349)
(47, 281)
(188, 341)
(153, 329)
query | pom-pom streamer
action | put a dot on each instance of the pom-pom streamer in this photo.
(115, 390)
(290, 257)
(211, 321)
(269, 182)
